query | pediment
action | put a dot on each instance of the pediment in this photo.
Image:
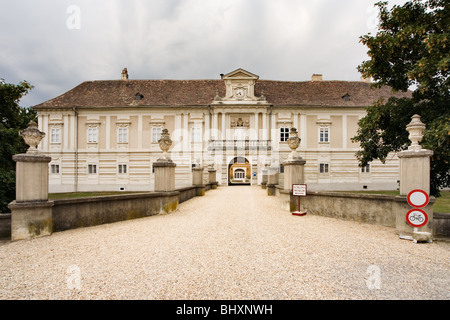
(240, 74)
(240, 89)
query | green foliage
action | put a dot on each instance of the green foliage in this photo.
(437, 138)
(411, 48)
(13, 119)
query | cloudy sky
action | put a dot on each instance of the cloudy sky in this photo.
(57, 44)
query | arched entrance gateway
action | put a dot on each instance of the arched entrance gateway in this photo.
(239, 171)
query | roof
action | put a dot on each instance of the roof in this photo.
(122, 93)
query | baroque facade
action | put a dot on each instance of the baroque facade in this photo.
(103, 135)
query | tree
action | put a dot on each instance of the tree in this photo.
(13, 119)
(410, 49)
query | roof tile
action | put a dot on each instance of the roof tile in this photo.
(119, 93)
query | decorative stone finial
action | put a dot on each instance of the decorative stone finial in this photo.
(293, 143)
(32, 136)
(415, 129)
(217, 97)
(165, 143)
(124, 74)
(262, 97)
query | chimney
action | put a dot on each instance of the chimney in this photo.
(316, 77)
(124, 74)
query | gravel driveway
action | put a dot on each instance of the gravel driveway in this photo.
(233, 243)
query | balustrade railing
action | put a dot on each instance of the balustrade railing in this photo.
(239, 144)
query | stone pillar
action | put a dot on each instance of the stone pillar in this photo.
(264, 178)
(197, 176)
(293, 173)
(197, 180)
(414, 174)
(212, 177)
(265, 174)
(294, 168)
(272, 180)
(294, 165)
(164, 166)
(415, 162)
(31, 212)
(164, 176)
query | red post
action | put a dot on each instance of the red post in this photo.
(297, 193)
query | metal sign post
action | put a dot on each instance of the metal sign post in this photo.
(416, 217)
(300, 191)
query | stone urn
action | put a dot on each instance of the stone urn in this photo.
(32, 136)
(415, 129)
(165, 143)
(293, 143)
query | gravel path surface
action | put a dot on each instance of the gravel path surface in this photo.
(233, 243)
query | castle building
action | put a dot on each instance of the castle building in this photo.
(103, 135)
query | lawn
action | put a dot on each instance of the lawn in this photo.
(71, 195)
(442, 204)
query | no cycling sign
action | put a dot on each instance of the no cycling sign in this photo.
(418, 199)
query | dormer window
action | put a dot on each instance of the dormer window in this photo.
(139, 96)
(346, 97)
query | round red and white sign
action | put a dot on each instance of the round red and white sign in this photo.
(417, 218)
(418, 198)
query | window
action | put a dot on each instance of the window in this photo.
(55, 135)
(92, 168)
(284, 134)
(156, 134)
(239, 174)
(54, 168)
(346, 97)
(365, 169)
(92, 135)
(323, 168)
(123, 134)
(196, 134)
(324, 135)
(122, 168)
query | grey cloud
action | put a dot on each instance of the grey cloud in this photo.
(178, 39)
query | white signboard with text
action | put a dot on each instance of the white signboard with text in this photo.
(299, 189)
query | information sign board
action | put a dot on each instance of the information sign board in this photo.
(299, 189)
